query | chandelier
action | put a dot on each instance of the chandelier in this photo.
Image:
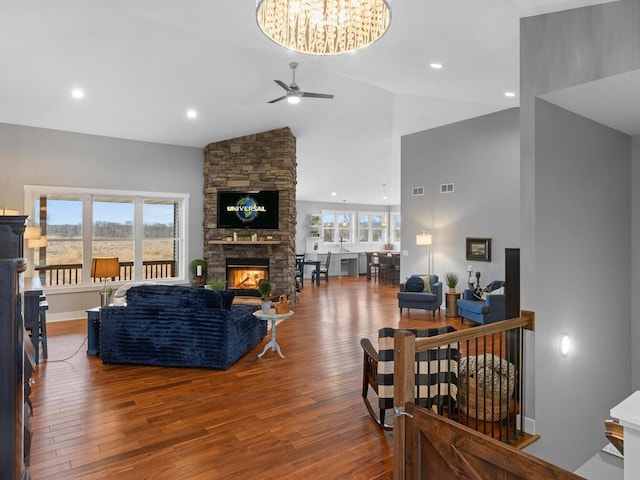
(324, 27)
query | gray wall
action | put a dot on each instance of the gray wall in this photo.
(583, 246)
(559, 244)
(481, 157)
(635, 263)
(48, 157)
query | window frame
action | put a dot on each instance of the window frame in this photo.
(370, 228)
(338, 214)
(139, 197)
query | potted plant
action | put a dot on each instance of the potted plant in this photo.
(451, 279)
(265, 288)
(198, 269)
(217, 284)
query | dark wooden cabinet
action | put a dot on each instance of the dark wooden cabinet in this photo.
(512, 282)
(15, 365)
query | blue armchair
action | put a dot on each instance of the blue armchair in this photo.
(415, 296)
(489, 310)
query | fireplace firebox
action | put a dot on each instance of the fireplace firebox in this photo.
(243, 274)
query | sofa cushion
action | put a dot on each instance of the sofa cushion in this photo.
(227, 297)
(427, 283)
(414, 284)
(173, 296)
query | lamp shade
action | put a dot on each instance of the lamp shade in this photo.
(32, 232)
(40, 242)
(9, 213)
(105, 267)
(423, 239)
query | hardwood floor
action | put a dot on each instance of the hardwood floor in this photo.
(264, 418)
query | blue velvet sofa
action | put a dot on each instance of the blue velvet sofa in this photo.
(415, 296)
(489, 310)
(178, 326)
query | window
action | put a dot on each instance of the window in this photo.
(371, 227)
(146, 231)
(337, 227)
(394, 226)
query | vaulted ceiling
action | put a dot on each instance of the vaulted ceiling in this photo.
(143, 63)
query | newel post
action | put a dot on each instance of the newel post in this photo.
(403, 391)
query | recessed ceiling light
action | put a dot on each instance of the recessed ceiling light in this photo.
(333, 194)
(436, 65)
(510, 94)
(192, 113)
(77, 93)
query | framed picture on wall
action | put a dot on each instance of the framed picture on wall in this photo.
(479, 249)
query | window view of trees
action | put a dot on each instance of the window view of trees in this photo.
(143, 232)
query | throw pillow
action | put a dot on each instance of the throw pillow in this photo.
(478, 294)
(427, 284)
(414, 284)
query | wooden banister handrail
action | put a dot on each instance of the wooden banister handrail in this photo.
(406, 346)
(428, 343)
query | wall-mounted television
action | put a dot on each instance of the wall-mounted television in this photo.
(248, 209)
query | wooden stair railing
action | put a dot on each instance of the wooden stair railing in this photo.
(406, 347)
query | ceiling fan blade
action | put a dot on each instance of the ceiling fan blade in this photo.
(277, 99)
(283, 85)
(315, 95)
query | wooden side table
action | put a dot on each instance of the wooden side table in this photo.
(451, 304)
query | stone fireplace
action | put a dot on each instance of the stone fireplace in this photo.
(262, 161)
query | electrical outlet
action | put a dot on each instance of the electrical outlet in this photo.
(608, 448)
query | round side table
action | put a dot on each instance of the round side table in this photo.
(451, 304)
(274, 317)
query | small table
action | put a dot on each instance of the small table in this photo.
(274, 317)
(93, 331)
(451, 304)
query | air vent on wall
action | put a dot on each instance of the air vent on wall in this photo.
(446, 188)
(415, 191)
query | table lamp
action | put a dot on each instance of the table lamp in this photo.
(103, 269)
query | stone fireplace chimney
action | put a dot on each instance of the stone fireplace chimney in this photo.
(262, 161)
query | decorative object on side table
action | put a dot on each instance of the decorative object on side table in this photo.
(282, 306)
(198, 269)
(470, 279)
(451, 279)
(265, 288)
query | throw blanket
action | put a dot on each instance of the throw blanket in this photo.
(436, 370)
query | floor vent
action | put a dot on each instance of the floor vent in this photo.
(446, 188)
(416, 191)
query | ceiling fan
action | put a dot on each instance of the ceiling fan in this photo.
(294, 94)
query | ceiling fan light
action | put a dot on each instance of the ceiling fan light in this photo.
(293, 99)
(323, 27)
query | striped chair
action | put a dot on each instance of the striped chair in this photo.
(436, 379)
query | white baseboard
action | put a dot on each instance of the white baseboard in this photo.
(66, 316)
(529, 424)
